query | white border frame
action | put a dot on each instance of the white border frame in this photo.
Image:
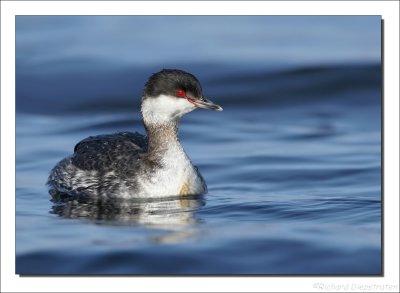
(389, 10)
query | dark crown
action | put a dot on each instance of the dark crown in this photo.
(168, 81)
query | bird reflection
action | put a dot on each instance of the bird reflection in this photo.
(175, 215)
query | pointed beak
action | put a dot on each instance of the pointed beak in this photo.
(206, 104)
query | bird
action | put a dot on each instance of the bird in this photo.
(132, 165)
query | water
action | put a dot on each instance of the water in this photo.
(293, 163)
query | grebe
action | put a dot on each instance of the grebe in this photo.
(131, 165)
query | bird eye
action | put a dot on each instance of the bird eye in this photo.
(180, 93)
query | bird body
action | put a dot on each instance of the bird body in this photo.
(131, 165)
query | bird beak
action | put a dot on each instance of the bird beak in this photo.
(206, 104)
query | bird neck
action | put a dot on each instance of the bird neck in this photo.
(163, 138)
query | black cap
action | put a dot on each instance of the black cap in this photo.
(168, 81)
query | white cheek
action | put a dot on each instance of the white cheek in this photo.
(165, 108)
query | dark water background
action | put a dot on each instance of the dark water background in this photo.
(293, 163)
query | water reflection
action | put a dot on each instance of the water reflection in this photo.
(174, 215)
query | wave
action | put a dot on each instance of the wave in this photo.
(71, 90)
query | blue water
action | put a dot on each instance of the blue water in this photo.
(293, 163)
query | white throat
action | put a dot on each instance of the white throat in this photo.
(163, 109)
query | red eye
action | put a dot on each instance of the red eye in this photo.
(180, 93)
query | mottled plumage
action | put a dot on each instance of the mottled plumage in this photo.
(114, 152)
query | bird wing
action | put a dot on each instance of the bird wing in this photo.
(114, 152)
